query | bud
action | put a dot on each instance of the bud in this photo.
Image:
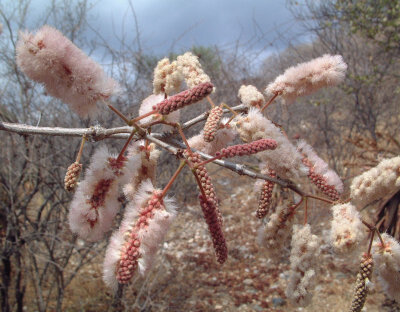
(72, 176)
(133, 247)
(319, 172)
(264, 201)
(212, 123)
(361, 288)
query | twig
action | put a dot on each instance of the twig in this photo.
(79, 155)
(210, 101)
(121, 153)
(169, 184)
(270, 101)
(120, 115)
(98, 133)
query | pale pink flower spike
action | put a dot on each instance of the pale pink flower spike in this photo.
(66, 72)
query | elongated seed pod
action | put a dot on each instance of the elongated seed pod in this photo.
(184, 98)
(247, 148)
(210, 208)
(264, 201)
(361, 289)
(212, 123)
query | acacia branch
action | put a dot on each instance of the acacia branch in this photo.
(98, 133)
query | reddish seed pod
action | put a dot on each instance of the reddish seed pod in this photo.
(247, 148)
(184, 98)
(320, 182)
(210, 213)
(264, 201)
(212, 123)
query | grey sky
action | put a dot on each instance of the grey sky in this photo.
(177, 25)
(180, 24)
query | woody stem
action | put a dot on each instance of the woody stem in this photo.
(321, 199)
(269, 102)
(210, 101)
(230, 109)
(79, 155)
(305, 210)
(210, 160)
(379, 236)
(143, 116)
(370, 242)
(173, 178)
(122, 116)
(121, 153)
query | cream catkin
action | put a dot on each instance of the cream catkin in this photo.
(306, 78)
(190, 67)
(167, 77)
(303, 257)
(285, 159)
(347, 230)
(275, 234)
(250, 96)
(66, 72)
(377, 182)
(387, 265)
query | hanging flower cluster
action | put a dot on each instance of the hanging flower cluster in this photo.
(68, 74)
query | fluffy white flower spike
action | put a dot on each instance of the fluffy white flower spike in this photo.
(167, 77)
(250, 96)
(285, 159)
(149, 155)
(377, 182)
(95, 202)
(67, 73)
(143, 228)
(306, 78)
(387, 265)
(190, 67)
(303, 257)
(319, 172)
(275, 233)
(347, 230)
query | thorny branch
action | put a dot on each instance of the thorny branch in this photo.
(98, 133)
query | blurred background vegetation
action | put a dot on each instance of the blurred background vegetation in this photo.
(352, 126)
